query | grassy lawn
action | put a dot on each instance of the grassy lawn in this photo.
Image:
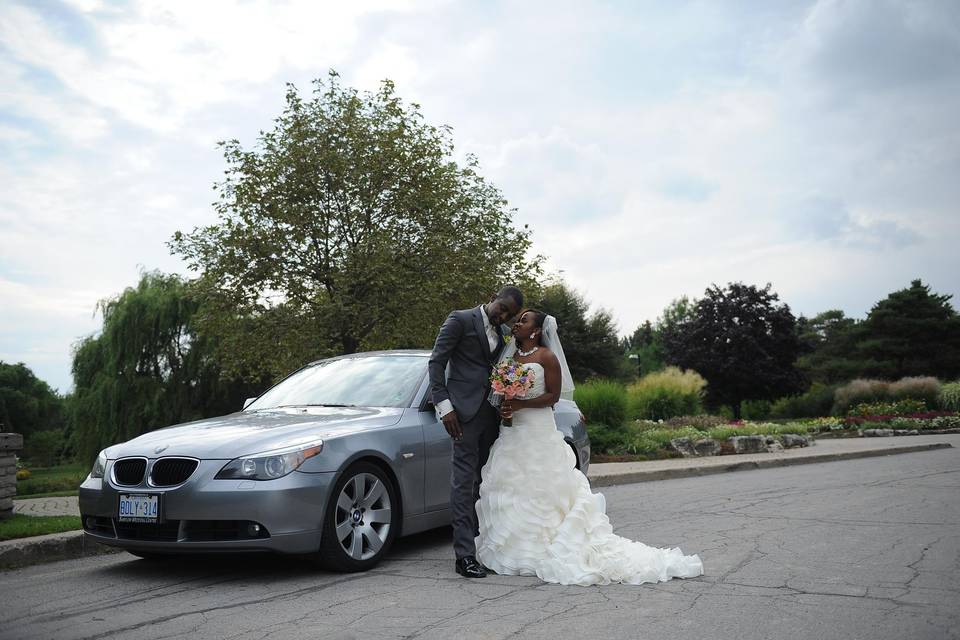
(21, 526)
(46, 481)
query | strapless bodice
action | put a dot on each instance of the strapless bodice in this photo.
(539, 386)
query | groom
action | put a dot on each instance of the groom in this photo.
(469, 343)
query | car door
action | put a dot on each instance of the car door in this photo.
(437, 450)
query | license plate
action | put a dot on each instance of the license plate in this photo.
(139, 508)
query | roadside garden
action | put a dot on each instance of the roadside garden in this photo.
(662, 415)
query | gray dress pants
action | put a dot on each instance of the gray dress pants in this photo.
(469, 456)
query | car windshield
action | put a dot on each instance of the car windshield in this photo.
(368, 381)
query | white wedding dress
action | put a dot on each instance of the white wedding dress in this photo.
(538, 516)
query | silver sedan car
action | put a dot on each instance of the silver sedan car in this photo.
(336, 460)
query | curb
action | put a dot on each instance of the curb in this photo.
(630, 477)
(23, 552)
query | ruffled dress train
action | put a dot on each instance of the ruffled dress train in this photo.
(538, 516)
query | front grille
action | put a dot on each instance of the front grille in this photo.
(166, 531)
(168, 472)
(129, 471)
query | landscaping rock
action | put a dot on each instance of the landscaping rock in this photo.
(683, 446)
(791, 440)
(706, 447)
(774, 447)
(878, 433)
(749, 444)
(906, 432)
(689, 449)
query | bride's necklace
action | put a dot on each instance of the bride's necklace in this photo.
(524, 354)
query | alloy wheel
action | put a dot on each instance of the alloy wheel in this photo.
(363, 516)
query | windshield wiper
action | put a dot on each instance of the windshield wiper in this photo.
(294, 406)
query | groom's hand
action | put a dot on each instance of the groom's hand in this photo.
(452, 425)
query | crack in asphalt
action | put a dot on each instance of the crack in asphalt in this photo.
(280, 596)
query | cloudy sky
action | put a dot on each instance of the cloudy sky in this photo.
(654, 147)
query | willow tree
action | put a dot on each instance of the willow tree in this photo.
(349, 225)
(148, 368)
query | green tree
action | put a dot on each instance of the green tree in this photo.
(350, 225)
(27, 404)
(148, 368)
(590, 340)
(646, 342)
(743, 341)
(912, 332)
(831, 341)
(679, 311)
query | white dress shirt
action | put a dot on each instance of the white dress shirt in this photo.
(493, 338)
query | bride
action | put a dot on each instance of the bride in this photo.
(536, 512)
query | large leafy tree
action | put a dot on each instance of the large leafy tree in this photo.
(148, 368)
(830, 342)
(27, 404)
(742, 340)
(911, 332)
(590, 341)
(350, 225)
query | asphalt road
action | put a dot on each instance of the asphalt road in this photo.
(855, 549)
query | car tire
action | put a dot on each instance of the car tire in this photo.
(361, 521)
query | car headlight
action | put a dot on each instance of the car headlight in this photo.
(100, 465)
(269, 465)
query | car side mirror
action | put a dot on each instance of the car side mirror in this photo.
(248, 402)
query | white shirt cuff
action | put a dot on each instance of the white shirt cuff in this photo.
(444, 408)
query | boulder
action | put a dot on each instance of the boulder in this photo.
(706, 447)
(749, 444)
(683, 446)
(791, 440)
(906, 432)
(774, 447)
(878, 433)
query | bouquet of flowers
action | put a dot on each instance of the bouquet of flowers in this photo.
(511, 379)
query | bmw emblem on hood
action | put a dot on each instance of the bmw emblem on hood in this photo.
(161, 448)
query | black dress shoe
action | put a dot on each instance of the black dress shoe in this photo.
(468, 567)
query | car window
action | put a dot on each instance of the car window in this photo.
(369, 381)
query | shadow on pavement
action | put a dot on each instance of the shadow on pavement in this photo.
(258, 565)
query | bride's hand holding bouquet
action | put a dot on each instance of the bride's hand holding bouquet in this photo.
(511, 380)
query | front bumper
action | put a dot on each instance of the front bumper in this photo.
(204, 514)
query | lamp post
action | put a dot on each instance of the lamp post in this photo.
(636, 356)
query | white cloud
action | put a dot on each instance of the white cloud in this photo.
(654, 150)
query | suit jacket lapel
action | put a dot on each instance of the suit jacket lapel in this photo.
(482, 332)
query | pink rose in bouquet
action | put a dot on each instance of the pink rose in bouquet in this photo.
(511, 379)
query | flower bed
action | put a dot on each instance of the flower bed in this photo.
(922, 421)
(646, 439)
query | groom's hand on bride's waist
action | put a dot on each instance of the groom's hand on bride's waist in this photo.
(452, 425)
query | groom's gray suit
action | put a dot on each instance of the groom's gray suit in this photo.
(460, 368)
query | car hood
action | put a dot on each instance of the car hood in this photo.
(247, 432)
